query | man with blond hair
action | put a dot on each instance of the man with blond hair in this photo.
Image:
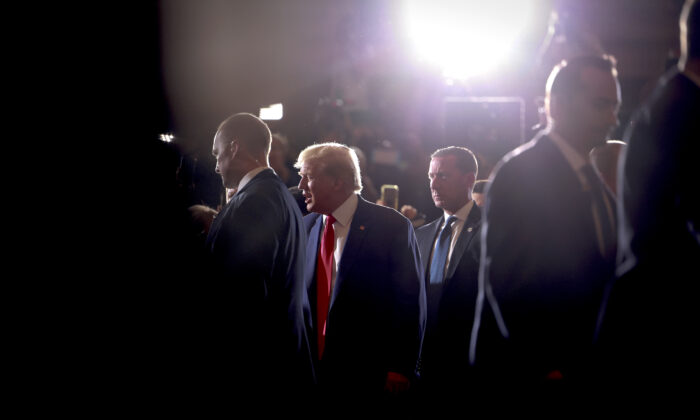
(364, 281)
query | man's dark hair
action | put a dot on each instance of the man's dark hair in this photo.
(466, 161)
(565, 79)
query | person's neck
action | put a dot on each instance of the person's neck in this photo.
(252, 162)
(338, 201)
(459, 207)
(573, 139)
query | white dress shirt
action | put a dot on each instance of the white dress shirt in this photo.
(457, 227)
(343, 217)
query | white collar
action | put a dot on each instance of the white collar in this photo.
(345, 211)
(462, 213)
(250, 175)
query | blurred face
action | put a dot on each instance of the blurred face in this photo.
(592, 114)
(224, 151)
(319, 189)
(449, 186)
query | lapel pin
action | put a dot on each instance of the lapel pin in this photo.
(469, 229)
(362, 227)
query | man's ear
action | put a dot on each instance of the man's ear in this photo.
(556, 107)
(470, 179)
(471, 176)
(233, 147)
(338, 184)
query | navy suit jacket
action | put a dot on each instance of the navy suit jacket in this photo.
(542, 275)
(659, 183)
(651, 310)
(451, 305)
(377, 310)
(257, 250)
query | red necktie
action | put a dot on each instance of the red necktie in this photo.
(324, 271)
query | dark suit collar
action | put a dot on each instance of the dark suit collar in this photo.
(469, 231)
(314, 240)
(473, 216)
(427, 235)
(216, 224)
(264, 174)
(361, 223)
(557, 165)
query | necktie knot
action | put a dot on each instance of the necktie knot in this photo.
(448, 223)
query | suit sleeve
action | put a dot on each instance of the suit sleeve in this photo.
(656, 179)
(504, 265)
(409, 303)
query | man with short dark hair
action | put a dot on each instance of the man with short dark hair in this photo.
(256, 246)
(364, 282)
(549, 239)
(450, 250)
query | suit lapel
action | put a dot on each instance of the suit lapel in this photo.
(427, 246)
(554, 157)
(357, 233)
(469, 231)
(312, 247)
(229, 207)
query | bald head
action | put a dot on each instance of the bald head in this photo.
(582, 100)
(252, 132)
(241, 144)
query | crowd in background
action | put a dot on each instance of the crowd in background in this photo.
(582, 256)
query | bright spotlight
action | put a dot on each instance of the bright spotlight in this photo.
(272, 112)
(465, 38)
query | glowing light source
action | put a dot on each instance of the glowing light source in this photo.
(272, 112)
(168, 138)
(465, 37)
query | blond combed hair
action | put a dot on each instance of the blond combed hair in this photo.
(334, 159)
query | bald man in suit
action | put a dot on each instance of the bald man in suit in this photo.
(256, 246)
(549, 242)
